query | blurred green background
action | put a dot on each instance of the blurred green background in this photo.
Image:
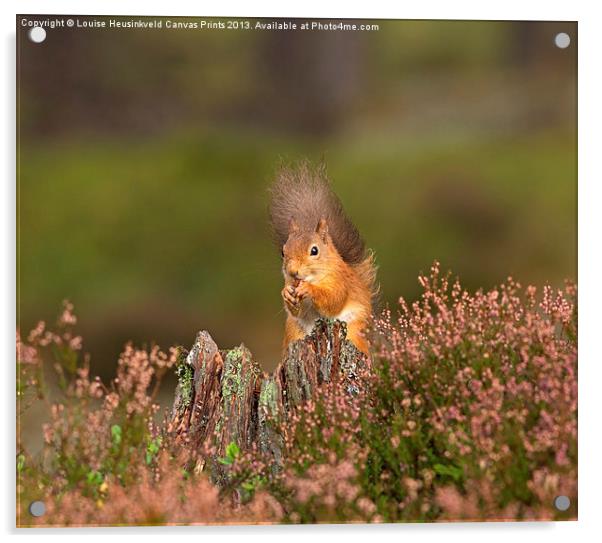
(145, 155)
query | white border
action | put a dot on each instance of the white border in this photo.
(438, 9)
(590, 272)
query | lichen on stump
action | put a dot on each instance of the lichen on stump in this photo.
(224, 397)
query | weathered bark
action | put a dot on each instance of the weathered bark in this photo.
(223, 397)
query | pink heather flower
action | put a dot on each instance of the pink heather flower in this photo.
(26, 354)
(67, 317)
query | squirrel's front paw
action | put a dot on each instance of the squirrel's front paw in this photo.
(302, 290)
(291, 300)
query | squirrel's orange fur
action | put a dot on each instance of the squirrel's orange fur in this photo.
(319, 281)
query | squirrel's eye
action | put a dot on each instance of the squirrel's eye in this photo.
(313, 251)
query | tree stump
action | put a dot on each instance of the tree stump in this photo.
(224, 397)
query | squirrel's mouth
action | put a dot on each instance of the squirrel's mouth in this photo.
(298, 277)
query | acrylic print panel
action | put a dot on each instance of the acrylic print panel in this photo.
(295, 271)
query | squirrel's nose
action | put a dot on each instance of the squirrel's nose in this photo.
(293, 272)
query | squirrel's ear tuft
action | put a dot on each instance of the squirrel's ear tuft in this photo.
(322, 229)
(292, 226)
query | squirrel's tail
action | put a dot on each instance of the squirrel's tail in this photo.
(366, 271)
(303, 193)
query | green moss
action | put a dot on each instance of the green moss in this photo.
(270, 439)
(233, 378)
(185, 375)
(268, 397)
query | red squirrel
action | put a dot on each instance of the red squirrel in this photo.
(327, 270)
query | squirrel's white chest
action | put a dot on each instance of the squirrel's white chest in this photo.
(308, 316)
